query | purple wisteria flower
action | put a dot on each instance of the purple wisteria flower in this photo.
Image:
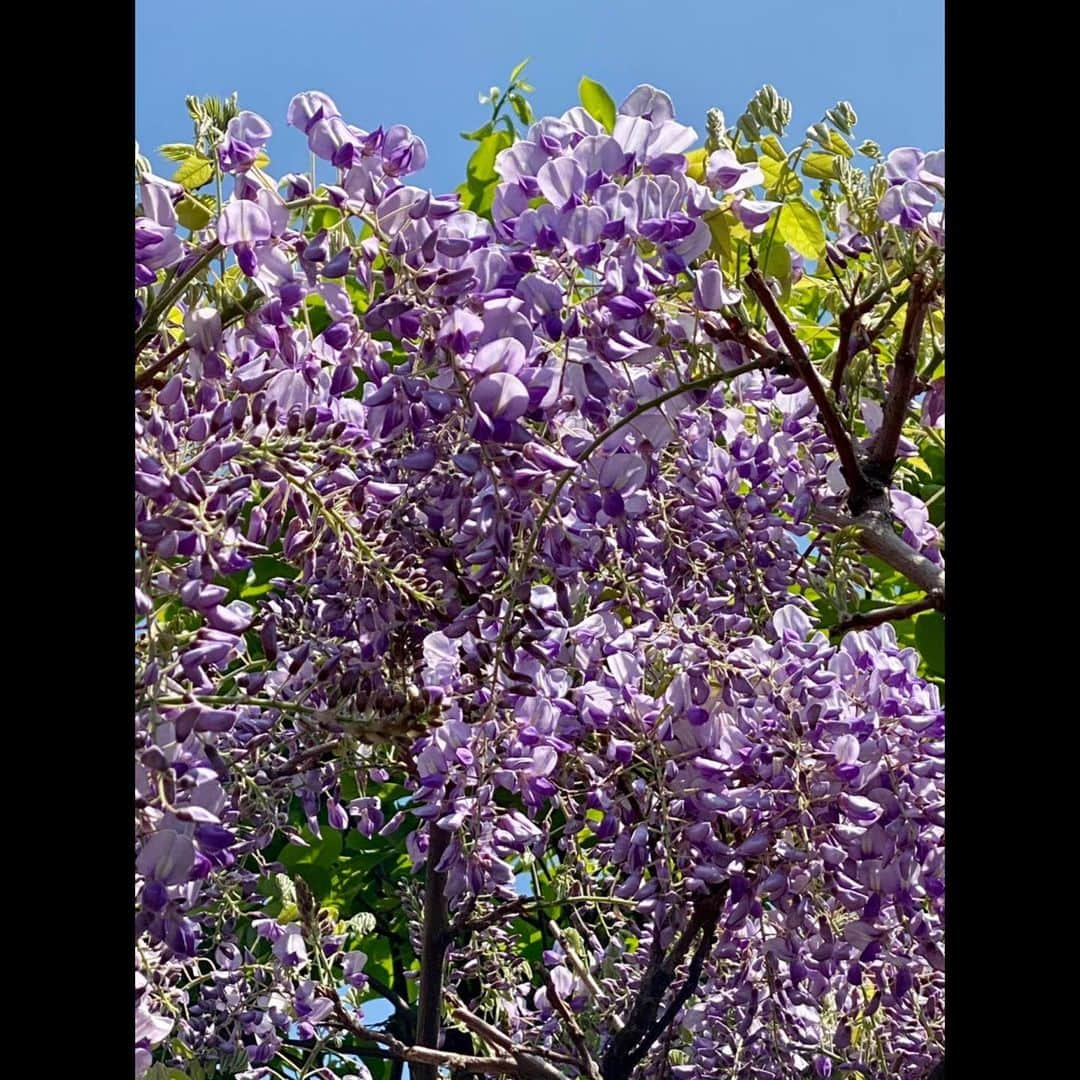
(916, 180)
(461, 547)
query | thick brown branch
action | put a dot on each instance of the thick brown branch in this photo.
(433, 950)
(876, 535)
(882, 457)
(889, 614)
(642, 1030)
(858, 485)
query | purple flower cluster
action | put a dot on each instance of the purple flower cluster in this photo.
(405, 506)
(916, 183)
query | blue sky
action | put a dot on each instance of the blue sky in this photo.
(422, 63)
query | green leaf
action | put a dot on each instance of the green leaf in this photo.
(195, 172)
(176, 151)
(598, 103)
(478, 191)
(820, 167)
(192, 213)
(800, 226)
(777, 264)
(771, 145)
(930, 638)
(778, 179)
(317, 314)
(695, 164)
(720, 229)
(481, 166)
(522, 108)
(322, 217)
(840, 145)
(480, 133)
(519, 69)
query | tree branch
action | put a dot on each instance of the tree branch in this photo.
(851, 317)
(889, 614)
(427, 1058)
(435, 939)
(231, 315)
(876, 535)
(859, 486)
(529, 1066)
(642, 1030)
(882, 457)
(585, 1058)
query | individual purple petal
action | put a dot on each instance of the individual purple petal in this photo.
(243, 222)
(249, 128)
(907, 204)
(158, 196)
(599, 153)
(522, 160)
(669, 138)
(904, 164)
(846, 750)
(167, 857)
(723, 170)
(710, 292)
(505, 354)
(935, 226)
(932, 172)
(560, 181)
(306, 108)
(623, 473)
(648, 102)
(333, 140)
(402, 151)
(501, 396)
(754, 213)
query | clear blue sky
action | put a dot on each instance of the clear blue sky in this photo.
(422, 63)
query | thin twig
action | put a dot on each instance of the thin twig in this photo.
(528, 1064)
(585, 1058)
(428, 1058)
(895, 613)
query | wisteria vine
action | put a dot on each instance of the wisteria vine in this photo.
(515, 600)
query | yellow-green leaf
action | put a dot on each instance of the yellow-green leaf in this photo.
(720, 228)
(192, 213)
(481, 166)
(598, 103)
(695, 164)
(800, 226)
(777, 264)
(176, 151)
(771, 145)
(773, 171)
(194, 173)
(840, 145)
(820, 167)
